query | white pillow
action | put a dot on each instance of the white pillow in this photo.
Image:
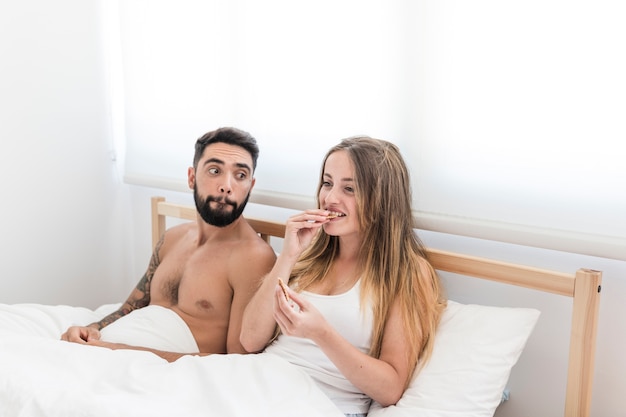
(475, 348)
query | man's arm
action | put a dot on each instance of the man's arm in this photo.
(138, 298)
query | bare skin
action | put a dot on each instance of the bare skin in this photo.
(206, 274)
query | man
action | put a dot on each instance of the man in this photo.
(202, 274)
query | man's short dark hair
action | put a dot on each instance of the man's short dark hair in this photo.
(230, 136)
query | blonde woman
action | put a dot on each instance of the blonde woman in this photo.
(363, 303)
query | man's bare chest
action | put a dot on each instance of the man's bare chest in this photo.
(193, 280)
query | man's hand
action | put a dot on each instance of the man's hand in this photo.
(81, 334)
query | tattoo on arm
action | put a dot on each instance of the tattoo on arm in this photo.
(140, 296)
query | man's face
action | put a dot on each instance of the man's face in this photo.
(221, 183)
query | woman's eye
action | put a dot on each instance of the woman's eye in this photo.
(326, 184)
(349, 189)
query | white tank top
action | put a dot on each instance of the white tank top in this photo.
(343, 312)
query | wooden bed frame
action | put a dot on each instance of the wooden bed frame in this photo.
(583, 286)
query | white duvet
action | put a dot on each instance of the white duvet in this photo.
(41, 375)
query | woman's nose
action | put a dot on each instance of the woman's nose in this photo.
(331, 196)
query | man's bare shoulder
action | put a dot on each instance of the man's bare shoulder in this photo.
(179, 231)
(177, 234)
(249, 245)
(254, 252)
(257, 246)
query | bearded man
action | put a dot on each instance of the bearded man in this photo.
(202, 274)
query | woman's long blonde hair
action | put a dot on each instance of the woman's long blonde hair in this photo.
(393, 260)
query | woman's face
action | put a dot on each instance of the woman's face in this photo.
(337, 194)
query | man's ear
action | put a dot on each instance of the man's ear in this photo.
(191, 177)
(252, 183)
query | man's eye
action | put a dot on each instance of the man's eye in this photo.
(213, 171)
(242, 176)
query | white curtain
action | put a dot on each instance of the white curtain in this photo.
(510, 114)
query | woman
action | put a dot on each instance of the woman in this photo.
(364, 301)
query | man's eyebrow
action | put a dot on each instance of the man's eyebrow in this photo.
(221, 162)
(213, 161)
(243, 165)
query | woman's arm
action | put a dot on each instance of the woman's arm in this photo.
(258, 319)
(258, 324)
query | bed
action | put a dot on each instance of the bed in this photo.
(475, 349)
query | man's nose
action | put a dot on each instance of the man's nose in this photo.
(225, 187)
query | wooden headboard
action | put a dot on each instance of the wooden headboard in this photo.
(583, 287)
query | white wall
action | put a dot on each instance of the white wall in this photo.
(63, 235)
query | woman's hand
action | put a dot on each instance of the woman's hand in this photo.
(300, 230)
(297, 317)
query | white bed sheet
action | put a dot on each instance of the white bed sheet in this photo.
(41, 375)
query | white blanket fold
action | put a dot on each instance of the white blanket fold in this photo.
(152, 326)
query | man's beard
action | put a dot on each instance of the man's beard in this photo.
(218, 217)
